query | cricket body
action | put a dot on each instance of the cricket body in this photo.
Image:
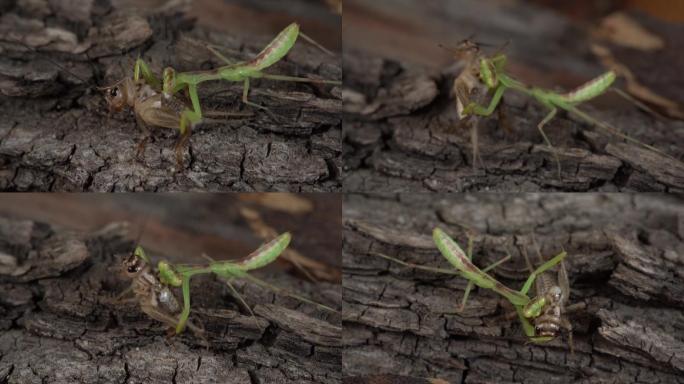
(173, 82)
(155, 299)
(548, 306)
(149, 107)
(492, 74)
(468, 89)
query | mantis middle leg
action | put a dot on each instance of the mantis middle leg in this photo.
(540, 127)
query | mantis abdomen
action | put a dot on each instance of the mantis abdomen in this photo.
(590, 89)
(276, 49)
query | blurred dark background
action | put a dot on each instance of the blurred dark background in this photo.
(551, 43)
(182, 226)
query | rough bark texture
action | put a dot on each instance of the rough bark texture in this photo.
(402, 132)
(59, 323)
(624, 261)
(55, 134)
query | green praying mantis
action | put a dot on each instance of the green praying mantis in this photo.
(541, 316)
(157, 300)
(159, 103)
(484, 76)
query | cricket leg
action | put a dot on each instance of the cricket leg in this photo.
(540, 127)
(474, 142)
(568, 326)
(140, 151)
(119, 299)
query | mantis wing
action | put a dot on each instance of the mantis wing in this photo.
(455, 255)
(266, 254)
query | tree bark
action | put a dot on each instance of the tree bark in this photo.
(59, 321)
(624, 262)
(56, 135)
(401, 127)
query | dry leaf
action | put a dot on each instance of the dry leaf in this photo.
(664, 105)
(619, 28)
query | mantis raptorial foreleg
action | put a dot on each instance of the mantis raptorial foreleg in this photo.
(141, 68)
(477, 109)
(541, 269)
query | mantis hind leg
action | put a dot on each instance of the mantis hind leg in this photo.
(242, 301)
(540, 127)
(298, 79)
(245, 99)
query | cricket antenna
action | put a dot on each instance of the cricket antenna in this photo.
(143, 225)
(46, 57)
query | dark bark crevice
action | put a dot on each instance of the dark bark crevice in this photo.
(60, 324)
(622, 260)
(56, 135)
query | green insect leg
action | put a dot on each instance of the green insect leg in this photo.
(476, 109)
(542, 268)
(245, 99)
(470, 285)
(187, 120)
(298, 79)
(142, 68)
(540, 127)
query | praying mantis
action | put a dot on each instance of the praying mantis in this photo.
(156, 101)
(488, 73)
(170, 275)
(541, 316)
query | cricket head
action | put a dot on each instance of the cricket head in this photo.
(119, 94)
(136, 262)
(549, 323)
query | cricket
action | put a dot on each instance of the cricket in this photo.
(542, 316)
(484, 76)
(157, 300)
(158, 102)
